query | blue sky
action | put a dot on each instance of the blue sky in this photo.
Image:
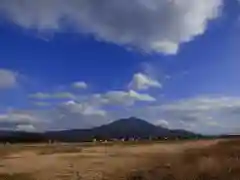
(79, 64)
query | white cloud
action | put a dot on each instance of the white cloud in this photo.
(57, 95)
(75, 115)
(98, 99)
(203, 104)
(143, 82)
(39, 95)
(26, 127)
(63, 95)
(85, 109)
(127, 98)
(17, 117)
(17, 120)
(41, 104)
(188, 125)
(69, 115)
(162, 123)
(151, 26)
(213, 123)
(80, 85)
(211, 115)
(200, 114)
(8, 79)
(93, 110)
(141, 96)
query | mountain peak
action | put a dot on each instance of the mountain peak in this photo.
(132, 120)
(132, 124)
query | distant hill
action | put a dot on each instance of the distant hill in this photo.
(124, 128)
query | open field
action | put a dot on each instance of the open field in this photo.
(199, 160)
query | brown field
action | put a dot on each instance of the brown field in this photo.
(189, 160)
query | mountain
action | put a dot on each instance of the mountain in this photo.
(124, 128)
(19, 137)
(131, 127)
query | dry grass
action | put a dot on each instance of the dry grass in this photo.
(220, 162)
(18, 176)
(6, 150)
(39, 149)
(47, 150)
(199, 160)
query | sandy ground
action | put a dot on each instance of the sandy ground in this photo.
(91, 162)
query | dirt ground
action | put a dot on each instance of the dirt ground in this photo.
(76, 161)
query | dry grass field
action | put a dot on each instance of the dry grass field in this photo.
(190, 160)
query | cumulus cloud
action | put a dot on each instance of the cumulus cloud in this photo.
(26, 128)
(119, 98)
(8, 78)
(201, 113)
(80, 110)
(40, 95)
(143, 82)
(162, 123)
(127, 98)
(83, 108)
(203, 104)
(17, 117)
(41, 104)
(68, 115)
(207, 114)
(93, 110)
(80, 85)
(87, 110)
(151, 26)
(17, 120)
(63, 95)
(57, 95)
(73, 115)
